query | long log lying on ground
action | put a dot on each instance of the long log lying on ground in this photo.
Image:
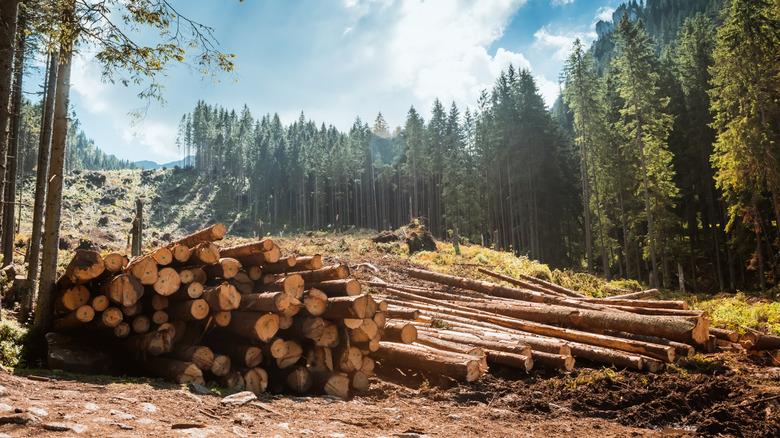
(553, 286)
(686, 330)
(521, 283)
(209, 234)
(662, 352)
(652, 304)
(648, 293)
(497, 289)
(408, 356)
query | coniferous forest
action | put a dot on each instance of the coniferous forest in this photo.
(660, 157)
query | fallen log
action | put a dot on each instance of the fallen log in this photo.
(553, 286)
(400, 332)
(254, 325)
(225, 268)
(222, 297)
(189, 310)
(521, 283)
(648, 293)
(427, 359)
(200, 355)
(174, 370)
(75, 318)
(124, 289)
(339, 288)
(209, 234)
(247, 249)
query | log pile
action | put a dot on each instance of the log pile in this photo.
(534, 323)
(243, 316)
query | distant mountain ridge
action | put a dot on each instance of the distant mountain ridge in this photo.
(152, 165)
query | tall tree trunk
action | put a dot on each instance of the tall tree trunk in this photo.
(13, 147)
(42, 172)
(8, 17)
(51, 234)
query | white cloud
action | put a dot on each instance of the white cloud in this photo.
(439, 48)
(561, 2)
(548, 89)
(562, 42)
(102, 99)
(160, 138)
(604, 13)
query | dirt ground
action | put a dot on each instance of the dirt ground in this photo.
(725, 401)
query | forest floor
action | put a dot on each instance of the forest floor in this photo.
(726, 394)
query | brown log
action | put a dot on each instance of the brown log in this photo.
(399, 312)
(754, 340)
(285, 321)
(315, 302)
(225, 268)
(332, 383)
(181, 253)
(469, 339)
(174, 370)
(726, 335)
(159, 302)
(368, 366)
(523, 284)
(400, 332)
(256, 380)
(160, 317)
(307, 263)
(115, 262)
(99, 303)
(73, 298)
(427, 359)
(321, 359)
(75, 318)
(234, 381)
(662, 352)
(254, 325)
(349, 358)
(563, 362)
(247, 249)
(513, 360)
(265, 302)
(209, 234)
(497, 290)
(223, 318)
(245, 355)
(111, 317)
(380, 320)
(242, 283)
(124, 289)
(221, 365)
(650, 304)
(658, 311)
(275, 348)
(155, 342)
(359, 307)
(205, 253)
(168, 282)
(615, 358)
(334, 272)
(163, 256)
(190, 310)
(141, 324)
(291, 357)
(285, 264)
(649, 293)
(133, 310)
(329, 337)
(122, 330)
(680, 349)
(448, 346)
(254, 272)
(340, 288)
(292, 285)
(186, 276)
(223, 297)
(85, 265)
(365, 332)
(299, 380)
(553, 286)
(677, 329)
(189, 291)
(144, 268)
(359, 381)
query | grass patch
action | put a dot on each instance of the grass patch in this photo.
(12, 339)
(737, 312)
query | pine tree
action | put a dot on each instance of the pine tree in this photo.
(644, 122)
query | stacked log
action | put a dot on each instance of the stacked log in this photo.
(245, 316)
(535, 323)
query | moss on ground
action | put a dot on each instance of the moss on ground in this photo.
(13, 337)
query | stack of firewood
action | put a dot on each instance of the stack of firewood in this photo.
(537, 323)
(243, 316)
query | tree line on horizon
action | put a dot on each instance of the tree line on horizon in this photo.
(659, 159)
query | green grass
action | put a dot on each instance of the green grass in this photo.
(737, 312)
(12, 339)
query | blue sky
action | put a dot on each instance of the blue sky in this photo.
(338, 59)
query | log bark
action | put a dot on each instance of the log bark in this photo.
(285, 264)
(85, 265)
(648, 293)
(563, 362)
(521, 283)
(74, 319)
(200, 355)
(209, 234)
(265, 302)
(254, 325)
(334, 272)
(190, 310)
(223, 297)
(400, 332)
(174, 370)
(650, 304)
(247, 249)
(417, 357)
(340, 288)
(358, 307)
